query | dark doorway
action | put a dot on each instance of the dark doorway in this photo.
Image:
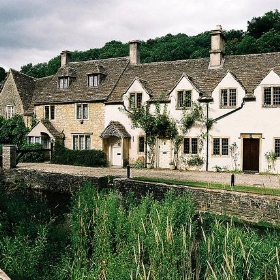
(251, 148)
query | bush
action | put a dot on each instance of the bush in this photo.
(39, 156)
(92, 158)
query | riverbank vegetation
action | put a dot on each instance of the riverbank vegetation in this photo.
(104, 235)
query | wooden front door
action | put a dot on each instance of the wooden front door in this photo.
(251, 149)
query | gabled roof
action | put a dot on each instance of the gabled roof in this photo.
(49, 126)
(25, 86)
(78, 91)
(45, 126)
(161, 77)
(115, 129)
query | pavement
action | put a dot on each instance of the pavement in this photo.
(263, 180)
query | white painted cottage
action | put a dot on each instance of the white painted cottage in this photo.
(240, 94)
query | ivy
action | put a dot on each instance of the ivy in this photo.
(155, 124)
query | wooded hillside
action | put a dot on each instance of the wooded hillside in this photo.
(262, 35)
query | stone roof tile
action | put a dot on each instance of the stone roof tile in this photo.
(78, 90)
(161, 77)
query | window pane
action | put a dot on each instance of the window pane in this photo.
(276, 95)
(224, 94)
(95, 80)
(132, 100)
(52, 112)
(194, 145)
(65, 83)
(87, 142)
(75, 142)
(216, 146)
(47, 112)
(90, 80)
(61, 83)
(141, 147)
(188, 100)
(232, 97)
(180, 100)
(10, 111)
(85, 111)
(267, 96)
(139, 100)
(79, 111)
(82, 142)
(186, 145)
(224, 146)
(277, 147)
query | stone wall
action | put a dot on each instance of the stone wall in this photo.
(244, 206)
(65, 120)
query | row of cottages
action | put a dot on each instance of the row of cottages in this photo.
(81, 105)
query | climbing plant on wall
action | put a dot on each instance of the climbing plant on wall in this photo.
(155, 123)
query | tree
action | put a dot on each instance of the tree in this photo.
(13, 131)
(3, 74)
(260, 25)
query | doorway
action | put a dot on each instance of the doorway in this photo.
(251, 152)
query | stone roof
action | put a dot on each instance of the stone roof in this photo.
(47, 90)
(161, 77)
(25, 86)
(49, 126)
(115, 129)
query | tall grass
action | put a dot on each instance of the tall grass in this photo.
(115, 239)
(110, 236)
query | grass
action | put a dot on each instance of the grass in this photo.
(238, 188)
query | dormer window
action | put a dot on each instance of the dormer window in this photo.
(135, 100)
(184, 99)
(63, 82)
(271, 96)
(93, 80)
(228, 98)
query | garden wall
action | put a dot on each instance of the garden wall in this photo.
(248, 207)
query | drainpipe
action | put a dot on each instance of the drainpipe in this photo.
(217, 119)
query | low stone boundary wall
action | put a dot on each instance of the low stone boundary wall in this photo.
(244, 206)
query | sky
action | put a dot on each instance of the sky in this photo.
(35, 31)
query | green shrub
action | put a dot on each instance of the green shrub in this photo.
(93, 158)
(39, 156)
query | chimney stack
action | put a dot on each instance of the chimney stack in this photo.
(65, 57)
(217, 47)
(134, 52)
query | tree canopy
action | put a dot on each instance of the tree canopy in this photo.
(2, 74)
(262, 35)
